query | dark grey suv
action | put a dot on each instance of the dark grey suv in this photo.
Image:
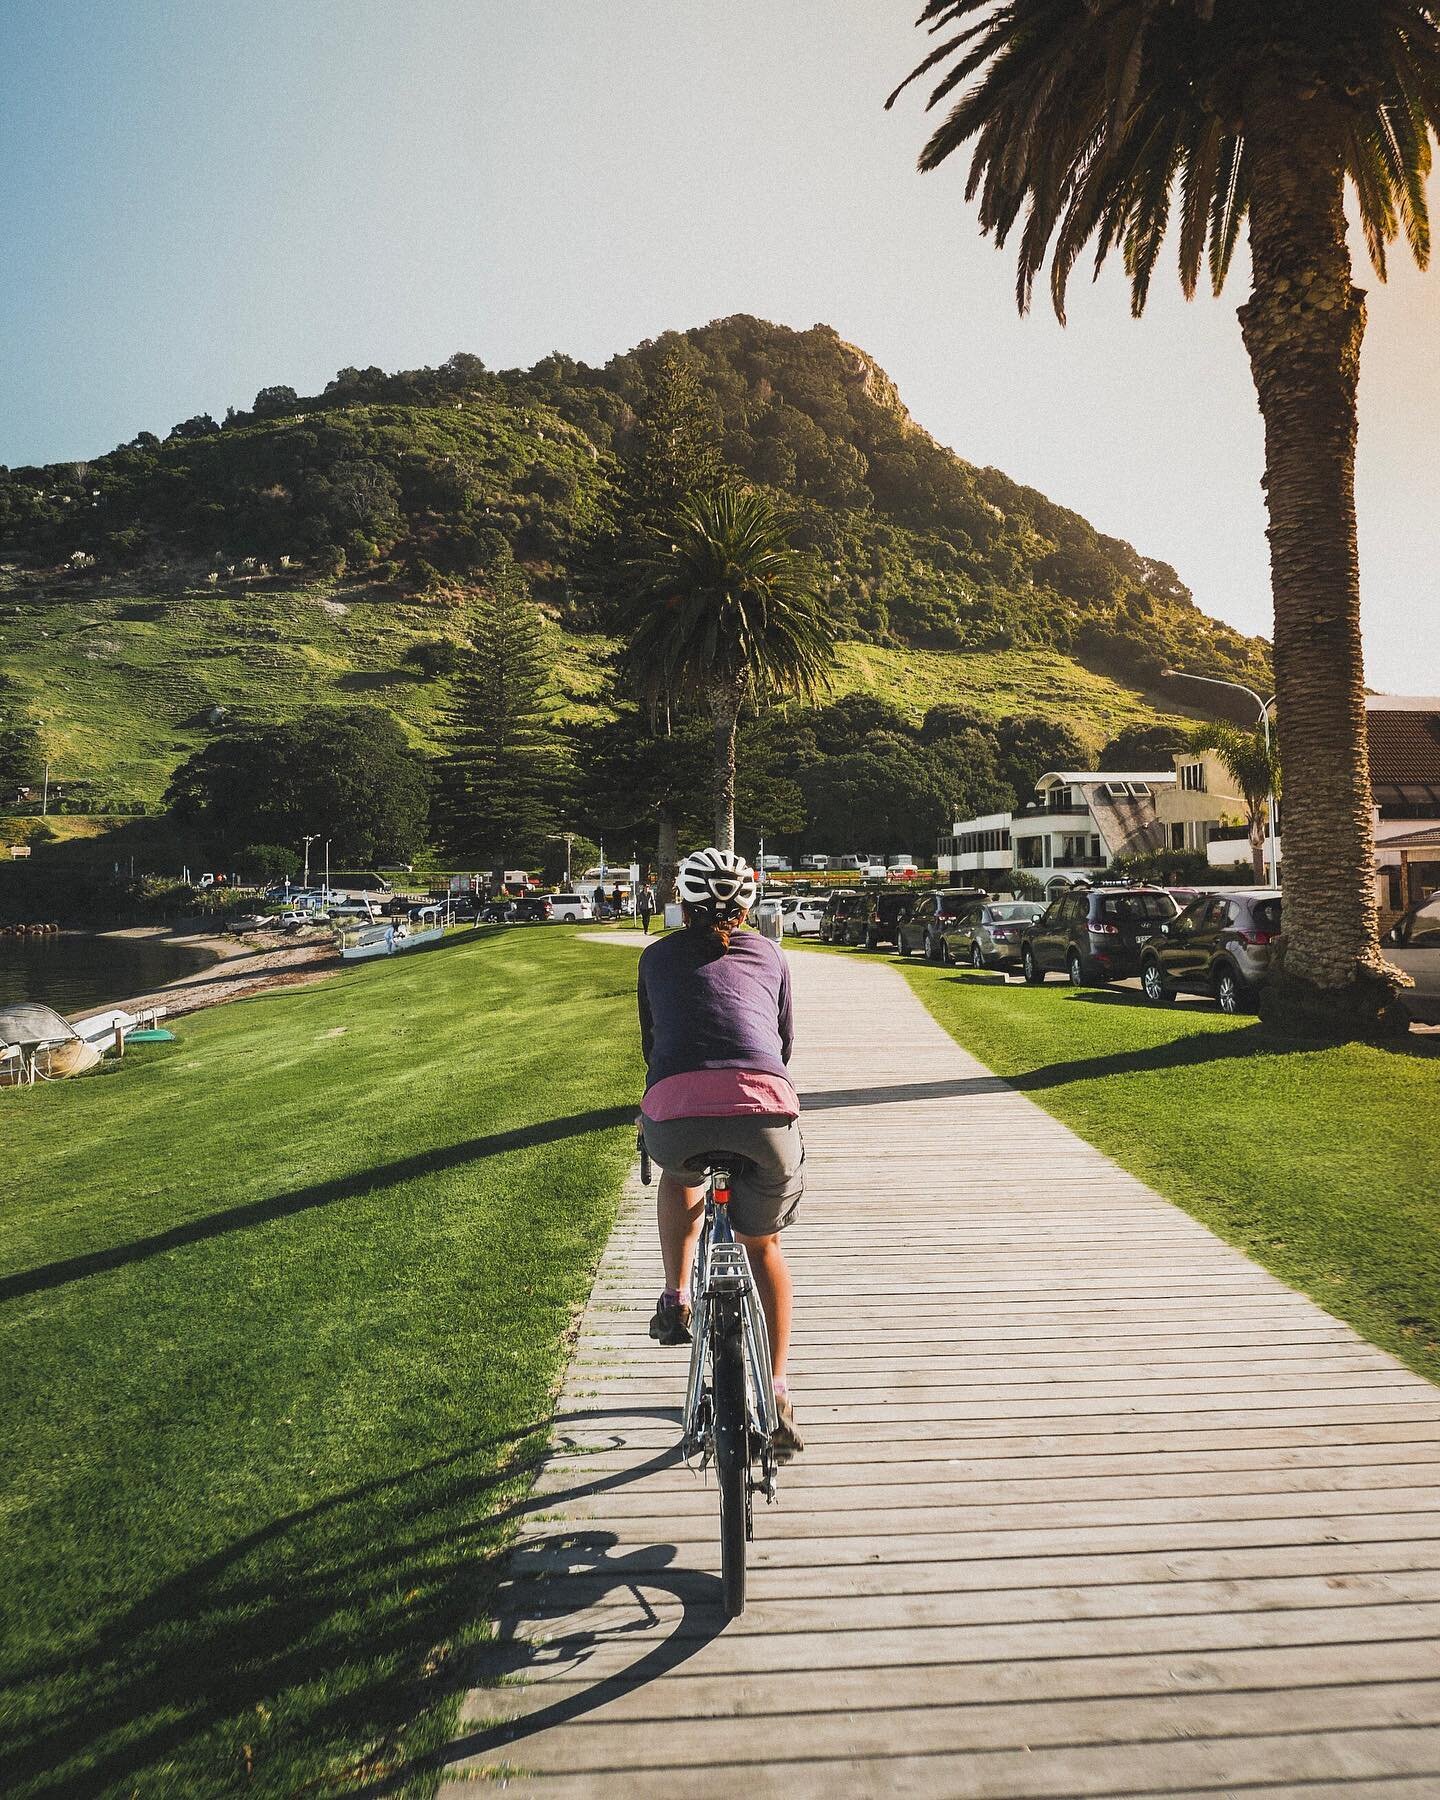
(1221, 944)
(1094, 935)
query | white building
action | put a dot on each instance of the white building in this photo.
(1080, 821)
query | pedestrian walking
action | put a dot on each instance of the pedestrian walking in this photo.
(645, 906)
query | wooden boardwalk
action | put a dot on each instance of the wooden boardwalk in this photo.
(1092, 1505)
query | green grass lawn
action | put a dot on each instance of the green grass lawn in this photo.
(1323, 1162)
(283, 1306)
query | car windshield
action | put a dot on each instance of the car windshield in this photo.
(1267, 914)
(1131, 907)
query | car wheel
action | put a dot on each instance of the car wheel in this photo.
(1231, 993)
(932, 953)
(1031, 969)
(902, 948)
(1152, 984)
(977, 957)
(1075, 969)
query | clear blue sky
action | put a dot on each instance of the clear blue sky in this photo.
(201, 199)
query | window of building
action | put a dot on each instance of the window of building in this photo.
(1192, 777)
(1177, 837)
(1032, 852)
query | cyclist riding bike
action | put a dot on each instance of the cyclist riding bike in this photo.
(716, 1030)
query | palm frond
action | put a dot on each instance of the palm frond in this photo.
(1081, 114)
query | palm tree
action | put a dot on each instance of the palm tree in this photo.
(1095, 119)
(1253, 764)
(727, 611)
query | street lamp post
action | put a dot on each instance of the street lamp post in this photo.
(309, 840)
(1271, 850)
(328, 842)
(567, 838)
(45, 793)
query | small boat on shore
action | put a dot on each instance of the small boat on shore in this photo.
(359, 943)
(38, 1044)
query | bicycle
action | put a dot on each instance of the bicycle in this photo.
(730, 1414)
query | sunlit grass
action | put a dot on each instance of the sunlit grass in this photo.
(282, 1307)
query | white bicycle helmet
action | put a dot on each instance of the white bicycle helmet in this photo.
(717, 882)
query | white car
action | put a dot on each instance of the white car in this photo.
(572, 907)
(800, 916)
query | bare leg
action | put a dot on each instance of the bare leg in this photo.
(678, 1212)
(777, 1296)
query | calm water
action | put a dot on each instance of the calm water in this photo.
(77, 973)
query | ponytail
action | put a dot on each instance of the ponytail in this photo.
(706, 923)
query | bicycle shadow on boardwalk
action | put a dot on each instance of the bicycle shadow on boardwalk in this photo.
(566, 1574)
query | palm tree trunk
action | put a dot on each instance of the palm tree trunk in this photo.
(1257, 849)
(1302, 328)
(724, 695)
(724, 713)
(667, 856)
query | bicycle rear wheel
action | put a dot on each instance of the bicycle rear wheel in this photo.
(732, 1454)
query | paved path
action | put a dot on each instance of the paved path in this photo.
(1092, 1504)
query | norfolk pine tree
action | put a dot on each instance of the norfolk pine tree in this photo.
(501, 776)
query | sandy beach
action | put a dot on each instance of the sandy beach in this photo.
(242, 967)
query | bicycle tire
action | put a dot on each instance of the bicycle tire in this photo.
(732, 1454)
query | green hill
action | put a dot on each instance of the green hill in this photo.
(302, 551)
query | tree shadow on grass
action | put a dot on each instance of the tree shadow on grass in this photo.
(328, 1630)
(325, 1193)
(1193, 1051)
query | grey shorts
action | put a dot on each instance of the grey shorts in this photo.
(767, 1176)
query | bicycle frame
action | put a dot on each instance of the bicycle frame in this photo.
(722, 1273)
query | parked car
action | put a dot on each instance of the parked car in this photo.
(877, 919)
(928, 916)
(800, 915)
(1094, 935)
(987, 933)
(834, 919)
(347, 911)
(533, 909)
(1413, 942)
(576, 908)
(301, 920)
(1219, 944)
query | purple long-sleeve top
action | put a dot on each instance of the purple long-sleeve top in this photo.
(702, 1007)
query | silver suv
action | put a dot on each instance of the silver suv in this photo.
(1413, 941)
(1221, 945)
